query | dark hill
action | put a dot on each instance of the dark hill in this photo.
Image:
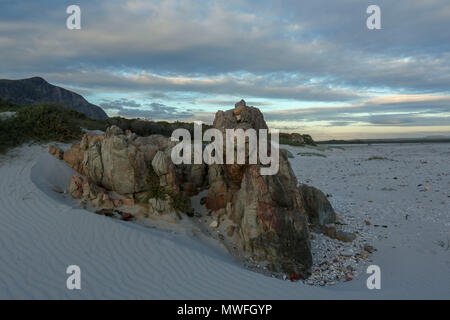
(37, 91)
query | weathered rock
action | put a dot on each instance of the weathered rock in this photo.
(267, 209)
(76, 187)
(122, 163)
(92, 191)
(214, 224)
(297, 138)
(55, 151)
(265, 214)
(369, 248)
(92, 163)
(217, 196)
(240, 104)
(272, 225)
(165, 170)
(230, 230)
(250, 117)
(160, 206)
(345, 236)
(74, 157)
(57, 189)
(330, 230)
(317, 207)
(288, 153)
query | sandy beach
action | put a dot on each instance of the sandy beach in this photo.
(403, 192)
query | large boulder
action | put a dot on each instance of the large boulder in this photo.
(123, 170)
(266, 209)
(56, 151)
(271, 222)
(122, 163)
(318, 208)
(241, 117)
(165, 169)
(74, 157)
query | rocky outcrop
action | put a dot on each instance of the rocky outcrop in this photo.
(296, 139)
(74, 157)
(36, 91)
(261, 218)
(267, 210)
(56, 151)
(115, 163)
(135, 169)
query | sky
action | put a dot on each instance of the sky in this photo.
(310, 66)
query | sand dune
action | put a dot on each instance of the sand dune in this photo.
(42, 232)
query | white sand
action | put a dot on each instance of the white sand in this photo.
(42, 232)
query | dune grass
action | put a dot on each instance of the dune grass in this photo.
(42, 123)
(311, 154)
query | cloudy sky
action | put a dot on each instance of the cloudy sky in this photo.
(310, 66)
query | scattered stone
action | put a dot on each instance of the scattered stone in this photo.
(55, 151)
(345, 236)
(347, 253)
(105, 212)
(294, 277)
(57, 189)
(127, 217)
(214, 224)
(364, 254)
(368, 248)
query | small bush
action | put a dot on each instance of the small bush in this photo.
(48, 123)
(40, 123)
(377, 158)
(311, 154)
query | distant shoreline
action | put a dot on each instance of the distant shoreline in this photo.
(377, 141)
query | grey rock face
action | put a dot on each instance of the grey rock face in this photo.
(317, 207)
(36, 90)
(267, 210)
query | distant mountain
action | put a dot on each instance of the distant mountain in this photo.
(36, 90)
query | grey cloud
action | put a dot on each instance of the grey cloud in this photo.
(131, 109)
(427, 113)
(322, 39)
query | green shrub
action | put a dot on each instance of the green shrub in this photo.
(40, 123)
(11, 135)
(48, 123)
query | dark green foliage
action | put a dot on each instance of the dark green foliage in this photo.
(182, 203)
(308, 140)
(179, 202)
(146, 127)
(41, 123)
(377, 158)
(10, 134)
(48, 123)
